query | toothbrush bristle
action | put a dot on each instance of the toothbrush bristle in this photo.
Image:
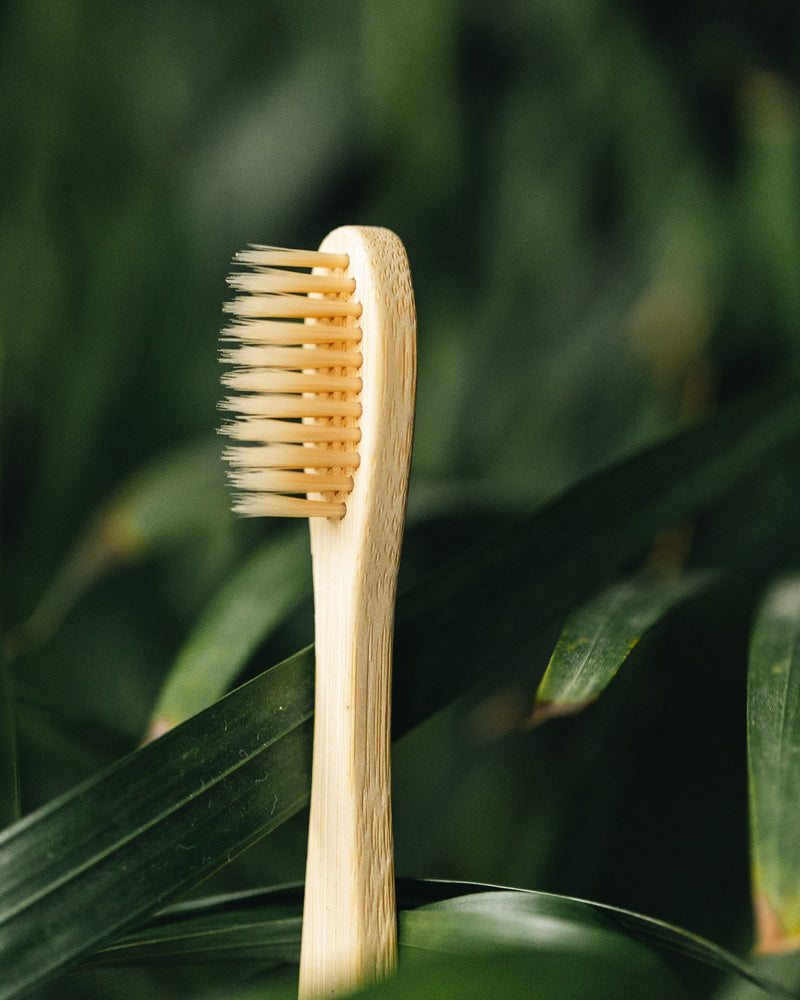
(293, 344)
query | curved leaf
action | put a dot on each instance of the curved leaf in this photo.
(249, 606)
(442, 917)
(599, 635)
(263, 926)
(113, 850)
(773, 727)
(580, 950)
(783, 969)
(535, 570)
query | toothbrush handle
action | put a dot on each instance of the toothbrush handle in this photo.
(349, 919)
(349, 922)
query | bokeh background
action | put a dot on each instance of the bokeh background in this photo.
(600, 200)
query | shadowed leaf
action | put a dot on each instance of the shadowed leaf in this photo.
(528, 575)
(180, 493)
(444, 918)
(773, 726)
(247, 609)
(103, 856)
(99, 859)
(599, 635)
(9, 777)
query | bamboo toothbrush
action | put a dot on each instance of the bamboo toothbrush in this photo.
(322, 418)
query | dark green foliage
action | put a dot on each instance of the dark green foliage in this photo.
(601, 206)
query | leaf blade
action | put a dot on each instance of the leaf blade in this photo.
(75, 874)
(578, 540)
(249, 606)
(9, 768)
(435, 916)
(179, 494)
(599, 635)
(773, 728)
(533, 572)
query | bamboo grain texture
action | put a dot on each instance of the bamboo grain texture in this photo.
(349, 923)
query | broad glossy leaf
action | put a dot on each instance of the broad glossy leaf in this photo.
(580, 951)
(517, 973)
(599, 635)
(461, 919)
(102, 857)
(773, 727)
(518, 915)
(242, 615)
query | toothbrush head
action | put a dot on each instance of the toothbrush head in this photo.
(294, 408)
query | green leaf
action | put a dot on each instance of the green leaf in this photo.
(502, 917)
(175, 496)
(9, 772)
(516, 973)
(783, 969)
(773, 729)
(580, 950)
(179, 494)
(9, 776)
(242, 615)
(260, 925)
(101, 858)
(459, 919)
(599, 635)
(534, 571)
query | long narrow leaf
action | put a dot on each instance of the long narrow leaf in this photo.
(531, 573)
(100, 859)
(250, 605)
(598, 637)
(436, 917)
(773, 726)
(178, 494)
(9, 778)
(261, 926)
(97, 860)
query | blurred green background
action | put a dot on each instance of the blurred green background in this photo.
(601, 206)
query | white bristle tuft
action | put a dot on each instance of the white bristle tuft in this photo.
(293, 350)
